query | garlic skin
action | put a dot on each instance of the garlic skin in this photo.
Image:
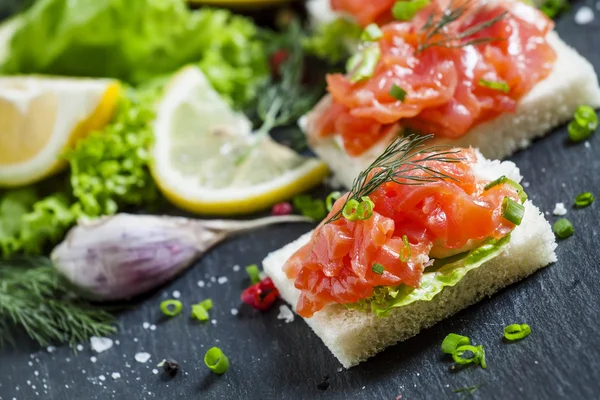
(126, 255)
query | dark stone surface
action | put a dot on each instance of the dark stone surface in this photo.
(272, 359)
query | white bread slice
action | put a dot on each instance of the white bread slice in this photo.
(550, 103)
(354, 336)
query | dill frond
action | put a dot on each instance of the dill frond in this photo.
(33, 297)
(436, 25)
(399, 163)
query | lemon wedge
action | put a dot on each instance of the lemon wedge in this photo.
(42, 116)
(206, 159)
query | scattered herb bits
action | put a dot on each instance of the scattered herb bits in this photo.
(216, 360)
(563, 228)
(397, 92)
(584, 199)
(513, 211)
(516, 331)
(371, 33)
(500, 86)
(406, 10)
(171, 307)
(361, 66)
(378, 269)
(170, 367)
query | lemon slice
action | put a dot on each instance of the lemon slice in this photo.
(206, 159)
(41, 116)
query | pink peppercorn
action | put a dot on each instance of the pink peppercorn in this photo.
(283, 208)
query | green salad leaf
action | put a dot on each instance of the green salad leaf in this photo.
(109, 168)
(28, 223)
(446, 272)
(138, 40)
(330, 41)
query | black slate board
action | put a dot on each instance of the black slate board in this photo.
(272, 359)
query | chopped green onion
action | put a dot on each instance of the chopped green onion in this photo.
(371, 33)
(207, 304)
(482, 361)
(200, 310)
(500, 86)
(554, 7)
(362, 65)
(584, 123)
(578, 133)
(216, 361)
(333, 196)
(563, 228)
(460, 351)
(199, 313)
(378, 268)
(254, 273)
(365, 208)
(406, 10)
(584, 199)
(517, 331)
(454, 341)
(585, 116)
(512, 211)
(397, 92)
(502, 180)
(309, 207)
(353, 210)
(171, 307)
(349, 210)
(406, 252)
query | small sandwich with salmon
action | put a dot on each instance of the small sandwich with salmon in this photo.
(422, 234)
(489, 74)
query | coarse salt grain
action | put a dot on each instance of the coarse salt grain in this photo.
(146, 325)
(201, 284)
(79, 347)
(102, 378)
(584, 16)
(152, 327)
(115, 375)
(559, 209)
(50, 349)
(234, 311)
(93, 359)
(236, 268)
(222, 280)
(176, 294)
(213, 321)
(142, 357)
(155, 371)
(100, 344)
(213, 279)
(285, 314)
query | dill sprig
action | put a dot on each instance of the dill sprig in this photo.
(436, 26)
(399, 163)
(33, 297)
(467, 391)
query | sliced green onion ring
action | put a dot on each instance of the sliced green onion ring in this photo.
(586, 117)
(207, 304)
(333, 196)
(457, 355)
(502, 180)
(406, 252)
(517, 331)
(500, 86)
(350, 210)
(584, 199)
(365, 208)
(578, 133)
(378, 268)
(216, 360)
(371, 33)
(513, 211)
(482, 361)
(454, 341)
(254, 273)
(199, 312)
(171, 307)
(563, 228)
(362, 65)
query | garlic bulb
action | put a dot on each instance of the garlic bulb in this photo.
(122, 256)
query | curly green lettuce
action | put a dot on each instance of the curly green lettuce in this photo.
(444, 273)
(139, 40)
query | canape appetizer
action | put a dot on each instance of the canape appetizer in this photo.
(422, 234)
(488, 74)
